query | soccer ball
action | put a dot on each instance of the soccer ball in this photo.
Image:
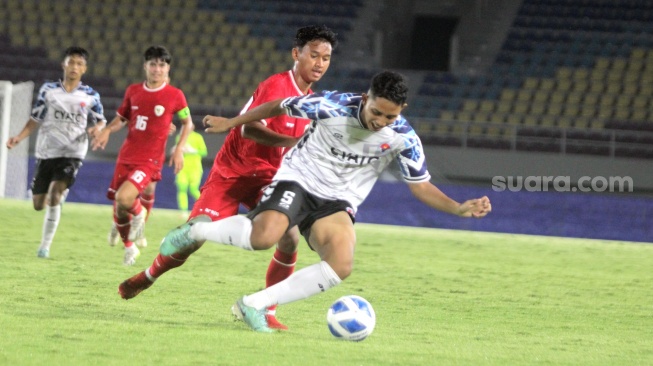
(351, 318)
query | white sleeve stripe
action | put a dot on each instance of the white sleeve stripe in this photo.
(424, 178)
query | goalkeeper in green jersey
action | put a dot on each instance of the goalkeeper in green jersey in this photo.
(188, 180)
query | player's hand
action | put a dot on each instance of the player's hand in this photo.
(100, 139)
(476, 208)
(93, 131)
(13, 141)
(177, 160)
(215, 124)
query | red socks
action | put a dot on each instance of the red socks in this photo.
(163, 264)
(123, 224)
(147, 200)
(281, 267)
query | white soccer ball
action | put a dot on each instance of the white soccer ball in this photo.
(352, 318)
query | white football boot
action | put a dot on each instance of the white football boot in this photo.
(131, 253)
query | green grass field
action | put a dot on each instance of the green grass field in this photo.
(441, 297)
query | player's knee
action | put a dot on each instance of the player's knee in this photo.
(338, 253)
(343, 268)
(267, 229)
(261, 242)
(264, 237)
(38, 203)
(124, 202)
(54, 199)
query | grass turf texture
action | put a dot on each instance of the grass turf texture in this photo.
(441, 297)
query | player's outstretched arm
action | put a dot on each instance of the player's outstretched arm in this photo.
(30, 126)
(101, 137)
(257, 132)
(435, 198)
(217, 124)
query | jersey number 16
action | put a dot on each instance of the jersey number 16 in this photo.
(141, 123)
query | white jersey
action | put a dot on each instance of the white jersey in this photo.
(338, 158)
(63, 117)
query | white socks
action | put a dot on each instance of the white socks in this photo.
(302, 284)
(234, 230)
(50, 223)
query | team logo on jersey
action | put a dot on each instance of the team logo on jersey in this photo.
(338, 136)
(82, 107)
(68, 117)
(158, 110)
(351, 158)
(385, 146)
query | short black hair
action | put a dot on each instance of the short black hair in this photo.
(75, 50)
(158, 53)
(314, 32)
(391, 86)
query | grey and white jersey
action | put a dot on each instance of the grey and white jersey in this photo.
(63, 117)
(338, 158)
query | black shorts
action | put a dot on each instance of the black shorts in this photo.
(301, 207)
(48, 170)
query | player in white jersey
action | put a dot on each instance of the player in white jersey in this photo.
(320, 184)
(62, 111)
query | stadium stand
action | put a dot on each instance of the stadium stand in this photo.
(571, 77)
(221, 49)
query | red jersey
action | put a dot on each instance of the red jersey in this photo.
(150, 113)
(244, 157)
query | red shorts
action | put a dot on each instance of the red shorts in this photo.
(140, 175)
(221, 197)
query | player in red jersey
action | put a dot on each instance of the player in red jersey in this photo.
(148, 109)
(249, 159)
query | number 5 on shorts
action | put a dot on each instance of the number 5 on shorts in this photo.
(287, 199)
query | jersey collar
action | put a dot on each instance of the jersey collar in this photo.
(153, 90)
(360, 109)
(294, 83)
(79, 85)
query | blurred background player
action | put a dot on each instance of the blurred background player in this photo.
(61, 110)
(321, 182)
(189, 178)
(251, 156)
(148, 109)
